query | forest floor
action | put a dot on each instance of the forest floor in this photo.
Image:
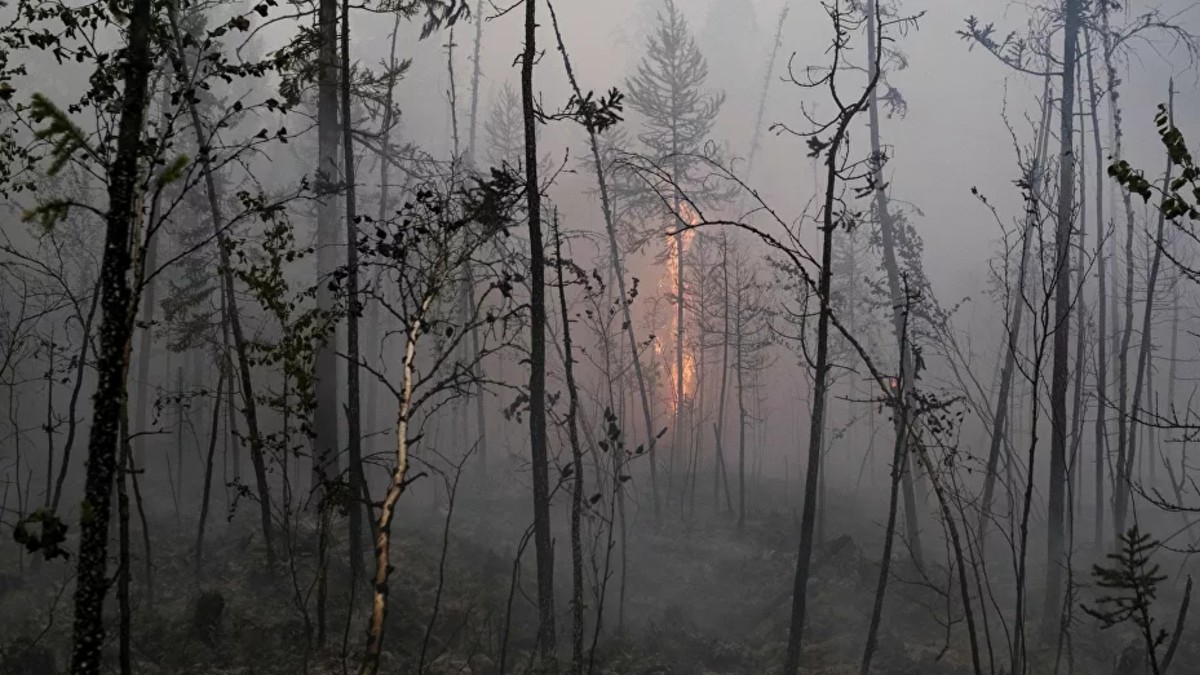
(702, 598)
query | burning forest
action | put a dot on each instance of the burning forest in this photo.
(705, 337)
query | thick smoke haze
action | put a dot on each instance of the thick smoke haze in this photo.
(633, 336)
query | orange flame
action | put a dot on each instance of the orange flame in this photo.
(669, 284)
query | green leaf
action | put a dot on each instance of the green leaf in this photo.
(47, 539)
(65, 136)
(47, 214)
(174, 171)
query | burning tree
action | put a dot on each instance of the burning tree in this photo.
(668, 91)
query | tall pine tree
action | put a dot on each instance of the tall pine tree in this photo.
(678, 112)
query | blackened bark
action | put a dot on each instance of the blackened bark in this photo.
(576, 467)
(80, 371)
(92, 582)
(1062, 325)
(899, 460)
(325, 417)
(208, 467)
(739, 366)
(543, 544)
(820, 393)
(358, 483)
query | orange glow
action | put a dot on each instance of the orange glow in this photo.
(669, 285)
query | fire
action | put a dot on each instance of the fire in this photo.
(669, 284)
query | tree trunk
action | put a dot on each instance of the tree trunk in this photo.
(1124, 486)
(358, 483)
(1101, 396)
(576, 467)
(49, 425)
(1060, 365)
(614, 252)
(91, 581)
(208, 469)
(543, 543)
(376, 393)
(231, 315)
(887, 236)
(719, 431)
(899, 460)
(476, 68)
(1120, 494)
(820, 391)
(1078, 409)
(677, 444)
(325, 417)
(383, 530)
(762, 97)
(124, 611)
(476, 366)
(124, 620)
(956, 547)
(1013, 334)
(741, 401)
(145, 347)
(80, 372)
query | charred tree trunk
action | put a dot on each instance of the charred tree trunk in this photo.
(576, 467)
(80, 372)
(1056, 508)
(208, 468)
(358, 482)
(91, 581)
(543, 543)
(820, 394)
(741, 402)
(124, 611)
(899, 460)
(325, 417)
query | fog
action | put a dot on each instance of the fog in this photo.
(636, 336)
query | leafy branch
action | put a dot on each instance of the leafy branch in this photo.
(1132, 581)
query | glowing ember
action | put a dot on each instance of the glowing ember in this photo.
(669, 284)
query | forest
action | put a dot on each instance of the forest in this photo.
(695, 337)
